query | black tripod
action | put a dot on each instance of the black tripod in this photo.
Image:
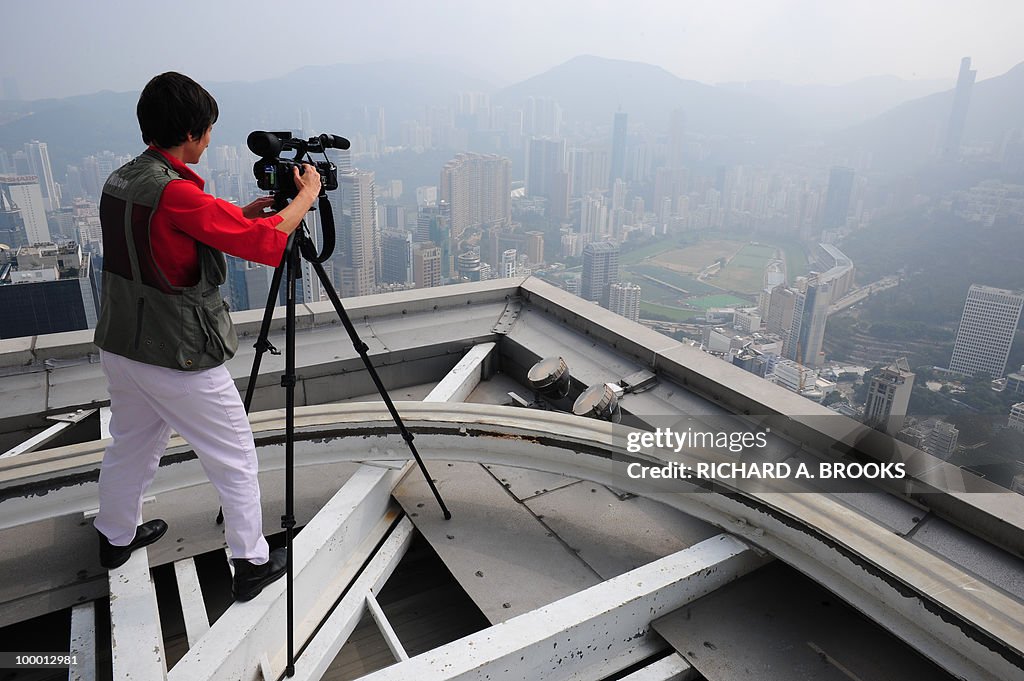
(301, 246)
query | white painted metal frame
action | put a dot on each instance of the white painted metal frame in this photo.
(136, 642)
(328, 552)
(671, 668)
(464, 376)
(83, 642)
(64, 421)
(386, 630)
(565, 639)
(193, 608)
(324, 647)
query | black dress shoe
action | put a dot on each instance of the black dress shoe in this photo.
(250, 579)
(115, 556)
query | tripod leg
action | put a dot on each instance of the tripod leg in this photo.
(362, 348)
(288, 380)
(262, 343)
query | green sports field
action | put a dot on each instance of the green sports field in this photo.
(667, 272)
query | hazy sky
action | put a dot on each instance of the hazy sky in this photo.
(64, 47)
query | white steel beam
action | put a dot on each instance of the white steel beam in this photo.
(566, 638)
(324, 647)
(137, 645)
(464, 376)
(328, 554)
(193, 608)
(64, 421)
(83, 642)
(671, 668)
(645, 649)
(386, 630)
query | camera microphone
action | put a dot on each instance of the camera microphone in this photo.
(334, 142)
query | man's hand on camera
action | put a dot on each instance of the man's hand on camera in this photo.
(308, 184)
(256, 208)
(308, 181)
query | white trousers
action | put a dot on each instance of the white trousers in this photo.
(146, 403)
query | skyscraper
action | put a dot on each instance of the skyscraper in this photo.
(23, 191)
(433, 224)
(600, 268)
(357, 253)
(618, 170)
(958, 115)
(781, 306)
(624, 300)
(543, 116)
(546, 176)
(12, 226)
(396, 257)
(426, 265)
(478, 191)
(807, 333)
(508, 263)
(588, 171)
(39, 165)
(837, 199)
(986, 331)
(535, 247)
(889, 396)
(544, 157)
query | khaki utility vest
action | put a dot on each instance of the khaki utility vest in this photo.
(142, 315)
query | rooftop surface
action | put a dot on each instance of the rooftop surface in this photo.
(556, 563)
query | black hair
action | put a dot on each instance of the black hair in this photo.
(171, 107)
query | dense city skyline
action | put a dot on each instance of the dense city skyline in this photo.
(792, 41)
(746, 223)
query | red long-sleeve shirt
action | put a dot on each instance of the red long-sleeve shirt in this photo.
(187, 214)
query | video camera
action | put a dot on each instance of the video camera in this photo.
(274, 173)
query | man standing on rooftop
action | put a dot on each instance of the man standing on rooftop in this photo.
(164, 331)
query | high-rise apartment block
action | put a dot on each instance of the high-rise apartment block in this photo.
(508, 264)
(546, 175)
(588, 171)
(889, 397)
(986, 331)
(396, 258)
(600, 269)
(535, 247)
(357, 255)
(942, 439)
(426, 265)
(544, 158)
(478, 191)
(624, 300)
